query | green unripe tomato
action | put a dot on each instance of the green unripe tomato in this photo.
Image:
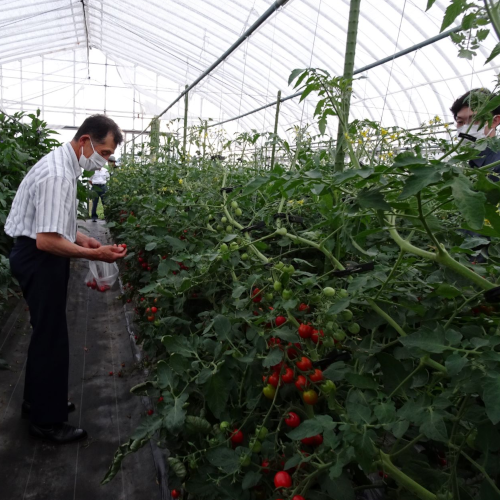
(346, 315)
(328, 387)
(262, 433)
(229, 229)
(219, 228)
(224, 426)
(223, 220)
(245, 460)
(277, 286)
(339, 335)
(287, 294)
(193, 464)
(289, 269)
(279, 265)
(328, 291)
(234, 246)
(244, 256)
(354, 328)
(223, 247)
(281, 231)
(471, 439)
(255, 445)
(329, 342)
(269, 391)
(213, 441)
(343, 293)
(210, 216)
(238, 212)
(234, 204)
(269, 296)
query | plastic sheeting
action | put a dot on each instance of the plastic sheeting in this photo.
(132, 58)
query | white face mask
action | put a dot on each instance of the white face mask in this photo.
(473, 134)
(94, 162)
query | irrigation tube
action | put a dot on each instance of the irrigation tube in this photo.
(413, 48)
(262, 19)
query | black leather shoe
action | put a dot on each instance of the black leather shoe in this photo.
(58, 433)
(26, 408)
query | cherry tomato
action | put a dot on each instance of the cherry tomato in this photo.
(354, 328)
(154, 310)
(277, 368)
(282, 480)
(287, 377)
(151, 318)
(310, 397)
(175, 493)
(305, 331)
(256, 295)
(317, 376)
(265, 466)
(236, 437)
(280, 320)
(328, 291)
(274, 380)
(269, 391)
(304, 307)
(287, 294)
(277, 286)
(304, 364)
(298, 497)
(328, 387)
(301, 383)
(293, 420)
(317, 335)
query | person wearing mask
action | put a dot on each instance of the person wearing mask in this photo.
(464, 111)
(43, 221)
(99, 188)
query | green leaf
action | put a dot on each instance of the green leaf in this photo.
(385, 412)
(254, 185)
(229, 237)
(361, 381)
(393, 372)
(164, 375)
(372, 198)
(455, 364)
(238, 292)
(148, 288)
(408, 159)
(176, 415)
(491, 397)
(273, 358)
(250, 480)
(225, 459)
(434, 427)
(147, 427)
(447, 291)
(222, 327)
(452, 12)
(400, 428)
(421, 177)
(177, 344)
(339, 306)
(493, 218)
(150, 246)
(294, 74)
(469, 202)
(430, 3)
(307, 428)
(427, 340)
(216, 392)
(358, 408)
(494, 53)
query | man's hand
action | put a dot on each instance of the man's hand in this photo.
(110, 253)
(91, 243)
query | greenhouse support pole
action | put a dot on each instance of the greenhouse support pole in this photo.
(350, 55)
(205, 132)
(186, 107)
(276, 120)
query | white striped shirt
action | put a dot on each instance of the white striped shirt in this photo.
(46, 200)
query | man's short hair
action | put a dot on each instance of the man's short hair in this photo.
(98, 127)
(474, 99)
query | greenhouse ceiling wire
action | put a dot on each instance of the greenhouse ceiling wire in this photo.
(136, 57)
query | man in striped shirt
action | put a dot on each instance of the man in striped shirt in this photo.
(43, 221)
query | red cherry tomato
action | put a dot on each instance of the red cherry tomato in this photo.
(317, 376)
(154, 310)
(151, 318)
(305, 331)
(256, 295)
(265, 466)
(274, 380)
(237, 437)
(304, 364)
(313, 440)
(287, 377)
(316, 336)
(301, 383)
(280, 320)
(282, 480)
(175, 493)
(298, 497)
(293, 420)
(310, 397)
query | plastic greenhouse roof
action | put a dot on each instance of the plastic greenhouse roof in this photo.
(133, 58)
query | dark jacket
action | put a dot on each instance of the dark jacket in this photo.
(487, 157)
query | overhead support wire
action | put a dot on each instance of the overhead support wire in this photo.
(404, 52)
(250, 31)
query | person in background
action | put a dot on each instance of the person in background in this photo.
(99, 188)
(112, 163)
(470, 130)
(43, 221)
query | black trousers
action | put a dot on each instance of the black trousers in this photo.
(44, 281)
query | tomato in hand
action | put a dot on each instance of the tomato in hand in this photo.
(301, 383)
(282, 480)
(317, 376)
(310, 397)
(304, 364)
(293, 420)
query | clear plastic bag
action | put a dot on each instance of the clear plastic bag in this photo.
(101, 276)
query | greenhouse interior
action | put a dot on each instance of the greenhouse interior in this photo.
(250, 250)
